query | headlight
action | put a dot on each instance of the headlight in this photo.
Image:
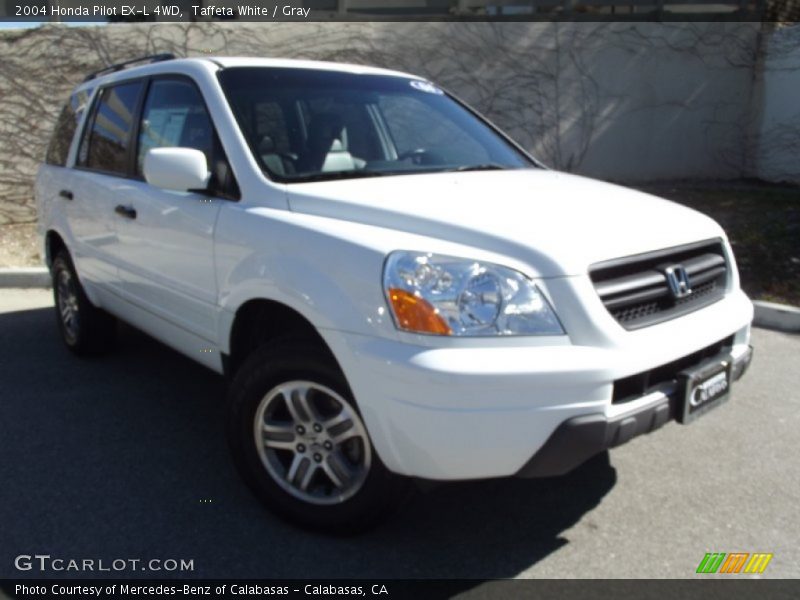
(442, 295)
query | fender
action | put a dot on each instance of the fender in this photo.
(273, 254)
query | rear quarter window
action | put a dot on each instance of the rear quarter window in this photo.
(66, 125)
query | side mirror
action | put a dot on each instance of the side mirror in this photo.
(176, 169)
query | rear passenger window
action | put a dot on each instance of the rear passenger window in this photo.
(105, 147)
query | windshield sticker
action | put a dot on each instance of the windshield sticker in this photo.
(424, 86)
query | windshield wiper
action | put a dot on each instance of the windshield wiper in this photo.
(481, 167)
(331, 175)
(334, 175)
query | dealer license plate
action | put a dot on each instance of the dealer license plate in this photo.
(705, 387)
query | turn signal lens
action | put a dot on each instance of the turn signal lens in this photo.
(416, 314)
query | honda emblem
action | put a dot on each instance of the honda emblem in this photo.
(678, 281)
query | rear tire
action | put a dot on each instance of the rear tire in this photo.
(300, 443)
(85, 329)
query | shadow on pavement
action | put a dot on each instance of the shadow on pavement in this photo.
(124, 456)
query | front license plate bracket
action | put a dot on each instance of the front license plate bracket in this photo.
(704, 387)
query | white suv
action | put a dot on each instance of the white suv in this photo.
(394, 287)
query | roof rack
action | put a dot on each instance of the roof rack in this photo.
(152, 58)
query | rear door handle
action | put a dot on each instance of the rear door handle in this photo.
(66, 194)
(125, 211)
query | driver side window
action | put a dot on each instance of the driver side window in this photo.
(174, 115)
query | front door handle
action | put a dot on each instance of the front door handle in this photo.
(125, 211)
(66, 194)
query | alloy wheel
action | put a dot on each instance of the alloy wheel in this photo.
(67, 295)
(312, 442)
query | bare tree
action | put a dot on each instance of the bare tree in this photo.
(561, 89)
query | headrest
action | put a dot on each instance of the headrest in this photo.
(266, 145)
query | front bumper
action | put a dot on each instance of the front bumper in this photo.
(469, 410)
(579, 438)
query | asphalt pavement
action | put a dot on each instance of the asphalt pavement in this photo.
(124, 457)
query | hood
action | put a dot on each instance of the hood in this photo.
(558, 223)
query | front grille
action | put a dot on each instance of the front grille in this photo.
(636, 290)
(636, 386)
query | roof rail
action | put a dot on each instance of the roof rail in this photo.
(152, 58)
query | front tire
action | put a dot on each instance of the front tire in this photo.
(300, 443)
(85, 329)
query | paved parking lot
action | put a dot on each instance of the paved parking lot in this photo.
(125, 457)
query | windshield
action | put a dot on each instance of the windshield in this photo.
(311, 125)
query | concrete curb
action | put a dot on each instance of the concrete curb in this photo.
(33, 277)
(777, 316)
(767, 314)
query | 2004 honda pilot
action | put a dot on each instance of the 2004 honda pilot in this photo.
(394, 287)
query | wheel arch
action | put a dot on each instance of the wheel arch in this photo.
(259, 320)
(53, 243)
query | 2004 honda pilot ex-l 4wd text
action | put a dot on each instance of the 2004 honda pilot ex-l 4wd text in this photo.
(395, 289)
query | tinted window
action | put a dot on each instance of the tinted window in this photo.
(67, 123)
(62, 137)
(413, 126)
(304, 124)
(271, 127)
(105, 148)
(359, 134)
(174, 115)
